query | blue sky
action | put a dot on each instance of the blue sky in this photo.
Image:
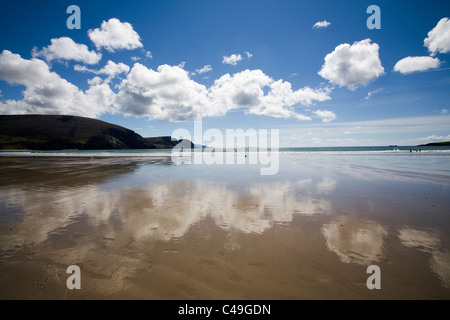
(155, 66)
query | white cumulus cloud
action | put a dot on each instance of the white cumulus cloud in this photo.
(353, 65)
(206, 68)
(245, 90)
(438, 39)
(165, 94)
(114, 34)
(111, 69)
(16, 70)
(47, 93)
(94, 81)
(321, 24)
(325, 115)
(65, 48)
(169, 94)
(416, 64)
(233, 59)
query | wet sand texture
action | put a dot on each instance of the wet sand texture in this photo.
(142, 228)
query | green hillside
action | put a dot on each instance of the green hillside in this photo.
(57, 132)
(434, 144)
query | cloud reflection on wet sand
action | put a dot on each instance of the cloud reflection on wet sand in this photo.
(161, 211)
(355, 239)
(428, 241)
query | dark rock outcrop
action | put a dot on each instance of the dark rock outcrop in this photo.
(56, 132)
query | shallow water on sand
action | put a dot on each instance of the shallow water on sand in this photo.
(146, 228)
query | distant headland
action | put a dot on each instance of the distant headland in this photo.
(59, 132)
(435, 144)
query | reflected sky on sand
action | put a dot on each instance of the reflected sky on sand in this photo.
(429, 241)
(162, 210)
(128, 222)
(355, 240)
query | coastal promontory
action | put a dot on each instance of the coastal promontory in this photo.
(58, 132)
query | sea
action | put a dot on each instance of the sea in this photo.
(285, 150)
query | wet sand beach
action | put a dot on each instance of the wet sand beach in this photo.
(146, 228)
